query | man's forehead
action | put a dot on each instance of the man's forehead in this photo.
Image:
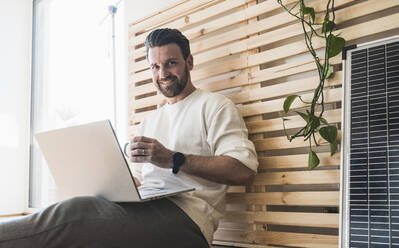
(163, 53)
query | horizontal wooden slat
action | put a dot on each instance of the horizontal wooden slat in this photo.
(288, 69)
(278, 238)
(151, 15)
(283, 143)
(297, 161)
(284, 218)
(332, 116)
(332, 95)
(297, 177)
(165, 15)
(314, 198)
(284, 89)
(226, 244)
(240, 79)
(140, 76)
(147, 101)
(198, 16)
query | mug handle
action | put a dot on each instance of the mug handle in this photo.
(124, 149)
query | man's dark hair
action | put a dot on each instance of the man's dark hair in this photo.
(165, 36)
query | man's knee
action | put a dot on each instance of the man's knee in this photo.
(88, 207)
(82, 202)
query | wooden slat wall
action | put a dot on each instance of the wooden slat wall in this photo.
(253, 52)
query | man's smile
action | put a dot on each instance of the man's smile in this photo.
(168, 82)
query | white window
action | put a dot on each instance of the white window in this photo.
(15, 58)
(73, 76)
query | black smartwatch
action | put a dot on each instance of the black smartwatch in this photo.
(178, 160)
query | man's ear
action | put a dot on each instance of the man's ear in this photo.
(190, 62)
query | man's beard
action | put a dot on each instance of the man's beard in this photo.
(176, 87)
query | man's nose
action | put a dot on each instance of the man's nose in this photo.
(163, 72)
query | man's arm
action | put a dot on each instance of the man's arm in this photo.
(220, 169)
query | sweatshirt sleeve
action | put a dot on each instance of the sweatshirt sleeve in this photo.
(228, 135)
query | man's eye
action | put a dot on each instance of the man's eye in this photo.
(154, 67)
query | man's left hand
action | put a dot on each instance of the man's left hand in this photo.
(147, 150)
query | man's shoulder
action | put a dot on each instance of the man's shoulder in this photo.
(212, 98)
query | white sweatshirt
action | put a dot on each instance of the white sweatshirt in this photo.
(205, 124)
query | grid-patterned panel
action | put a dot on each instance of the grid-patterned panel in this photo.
(374, 149)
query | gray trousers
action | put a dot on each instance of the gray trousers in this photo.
(96, 222)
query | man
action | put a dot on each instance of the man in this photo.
(196, 139)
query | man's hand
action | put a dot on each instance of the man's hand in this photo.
(147, 150)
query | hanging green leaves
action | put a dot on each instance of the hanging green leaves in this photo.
(313, 160)
(323, 121)
(304, 116)
(333, 148)
(335, 45)
(329, 71)
(288, 101)
(328, 26)
(309, 11)
(329, 133)
(315, 123)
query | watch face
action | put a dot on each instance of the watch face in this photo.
(178, 160)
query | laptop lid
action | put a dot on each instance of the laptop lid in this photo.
(86, 160)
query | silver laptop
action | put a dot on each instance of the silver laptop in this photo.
(87, 160)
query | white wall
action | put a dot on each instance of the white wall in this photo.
(15, 74)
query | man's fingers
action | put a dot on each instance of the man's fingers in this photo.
(140, 152)
(140, 145)
(142, 139)
(140, 159)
